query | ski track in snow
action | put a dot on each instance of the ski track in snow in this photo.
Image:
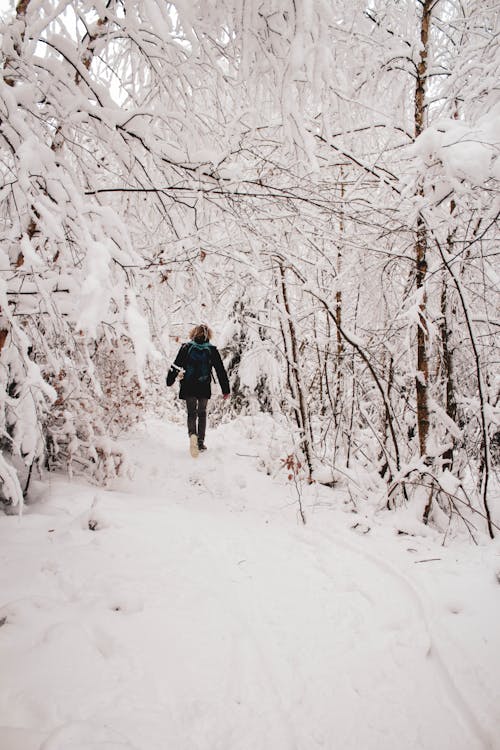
(433, 651)
(200, 616)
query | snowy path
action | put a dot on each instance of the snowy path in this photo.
(200, 616)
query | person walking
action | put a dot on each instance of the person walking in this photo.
(193, 365)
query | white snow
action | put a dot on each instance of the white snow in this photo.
(465, 151)
(199, 614)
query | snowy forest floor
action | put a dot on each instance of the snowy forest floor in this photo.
(201, 615)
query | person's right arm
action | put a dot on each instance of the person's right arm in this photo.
(221, 372)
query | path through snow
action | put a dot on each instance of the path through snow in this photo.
(200, 615)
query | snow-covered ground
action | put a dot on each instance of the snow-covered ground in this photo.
(199, 614)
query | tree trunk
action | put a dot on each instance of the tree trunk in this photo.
(300, 407)
(447, 356)
(338, 315)
(421, 241)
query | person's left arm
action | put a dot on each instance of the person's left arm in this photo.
(178, 365)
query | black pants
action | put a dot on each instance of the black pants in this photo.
(197, 409)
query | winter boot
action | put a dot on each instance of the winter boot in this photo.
(193, 446)
(201, 446)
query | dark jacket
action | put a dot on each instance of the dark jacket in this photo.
(199, 390)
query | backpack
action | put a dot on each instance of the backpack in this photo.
(198, 365)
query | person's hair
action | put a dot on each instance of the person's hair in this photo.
(201, 334)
